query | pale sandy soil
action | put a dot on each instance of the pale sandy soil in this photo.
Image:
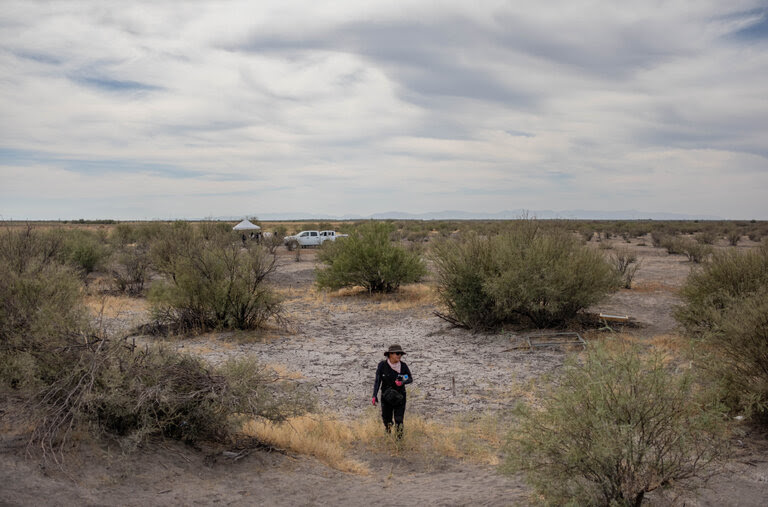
(335, 344)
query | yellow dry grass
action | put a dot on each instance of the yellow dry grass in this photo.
(321, 438)
(331, 440)
(653, 287)
(670, 343)
(114, 306)
(672, 346)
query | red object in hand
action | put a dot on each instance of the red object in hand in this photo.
(373, 401)
(398, 383)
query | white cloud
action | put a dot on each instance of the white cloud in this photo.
(240, 107)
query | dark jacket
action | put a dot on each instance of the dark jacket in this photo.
(386, 376)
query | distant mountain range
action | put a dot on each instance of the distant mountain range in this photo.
(501, 215)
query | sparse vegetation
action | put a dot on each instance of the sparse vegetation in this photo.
(369, 259)
(617, 427)
(74, 377)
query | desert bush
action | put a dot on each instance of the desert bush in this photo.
(463, 268)
(273, 241)
(129, 395)
(615, 429)
(73, 377)
(734, 236)
(726, 309)
(40, 306)
(658, 238)
(214, 231)
(522, 277)
(706, 238)
(672, 244)
(124, 234)
(695, 251)
(369, 259)
(626, 265)
(84, 249)
(213, 286)
(130, 269)
(164, 251)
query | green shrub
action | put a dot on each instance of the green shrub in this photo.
(41, 307)
(695, 251)
(463, 269)
(85, 250)
(369, 259)
(726, 309)
(614, 429)
(706, 238)
(213, 286)
(731, 277)
(522, 277)
(734, 236)
(124, 234)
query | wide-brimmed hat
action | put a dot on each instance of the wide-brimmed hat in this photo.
(393, 349)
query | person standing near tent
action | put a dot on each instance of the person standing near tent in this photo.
(392, 375)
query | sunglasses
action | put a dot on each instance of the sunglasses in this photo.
(397, 353)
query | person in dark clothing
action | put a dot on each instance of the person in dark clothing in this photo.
(392, 374)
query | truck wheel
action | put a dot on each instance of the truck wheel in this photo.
(292, 245)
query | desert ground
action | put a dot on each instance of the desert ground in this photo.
(333, 342)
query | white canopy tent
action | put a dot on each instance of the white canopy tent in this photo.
(246, 225)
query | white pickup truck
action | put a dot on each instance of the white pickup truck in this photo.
(311, 238)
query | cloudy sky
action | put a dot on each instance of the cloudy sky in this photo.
(173, 109)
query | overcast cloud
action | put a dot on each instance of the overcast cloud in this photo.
(171, 109)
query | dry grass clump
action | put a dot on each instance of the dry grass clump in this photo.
(409, 296)
(111, 307)
(325, 439)
(332, 441)
(654, 287)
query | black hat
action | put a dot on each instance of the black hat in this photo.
(394, 348)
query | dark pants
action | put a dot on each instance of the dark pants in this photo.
(398, 411)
